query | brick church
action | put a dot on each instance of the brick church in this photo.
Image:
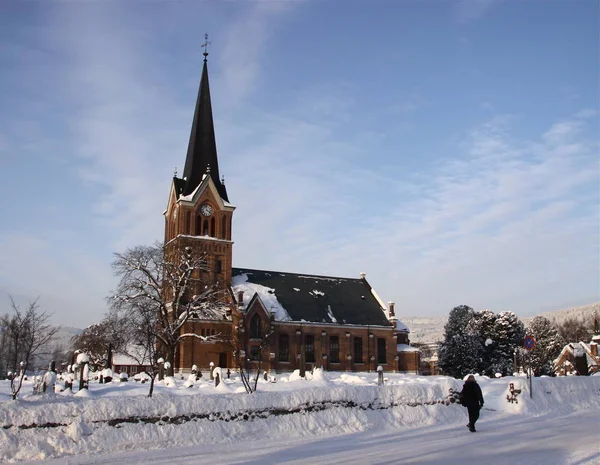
(338, 324)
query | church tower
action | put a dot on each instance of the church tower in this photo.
(198, 213)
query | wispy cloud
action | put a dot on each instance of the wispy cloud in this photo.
(586, 113)
(498, 210)
(244, 43)
(467, 11)
(494, 220)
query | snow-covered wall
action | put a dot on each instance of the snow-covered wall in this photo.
(119, 416)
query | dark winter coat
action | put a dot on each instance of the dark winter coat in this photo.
(471, 395)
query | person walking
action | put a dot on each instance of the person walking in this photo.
(472, 398)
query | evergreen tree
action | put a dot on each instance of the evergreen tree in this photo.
(509, 332)
(458, 320)
(459, 351)
(460, 355)
(548, 345)
(482, 326)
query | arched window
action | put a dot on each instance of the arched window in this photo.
(198, 222)
(255, 331)
(212, 227)
(224, 227)
(205, 228)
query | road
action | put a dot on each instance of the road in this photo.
(502, 439)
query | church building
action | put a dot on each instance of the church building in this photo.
(287, 320)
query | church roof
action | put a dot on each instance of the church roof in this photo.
(311, 298)
(202, 148)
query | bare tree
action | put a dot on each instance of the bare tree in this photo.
(142, 329)
(26, 333)
(575, 330)
(96, 339)
(249, 357)
(161, 291)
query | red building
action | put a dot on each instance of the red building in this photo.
(305, 320)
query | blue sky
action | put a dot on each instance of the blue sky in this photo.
(450, 149)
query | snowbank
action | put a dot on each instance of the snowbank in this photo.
(119, 416)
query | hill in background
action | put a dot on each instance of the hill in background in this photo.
(431, 329)
(422, 328)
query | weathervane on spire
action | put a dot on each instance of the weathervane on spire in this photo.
(205, 46)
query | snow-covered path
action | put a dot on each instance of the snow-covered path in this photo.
(572, 439)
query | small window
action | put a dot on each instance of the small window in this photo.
(205, 228)
(218, 266)
(212, 227)
(198, 223)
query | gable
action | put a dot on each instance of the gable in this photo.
(206, 184)
(573, 350)
(309, 298)
(256, 305)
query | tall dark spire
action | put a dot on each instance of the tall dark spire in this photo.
(202, 148)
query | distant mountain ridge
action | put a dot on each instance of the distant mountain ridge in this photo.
(431, 329)
(422, 328)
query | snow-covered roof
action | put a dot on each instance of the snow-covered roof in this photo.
(266, 294)
(136, 356)
(406, 348)
(577, 349)
(313, 299)
(399, 325)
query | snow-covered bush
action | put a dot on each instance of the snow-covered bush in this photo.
(190, 381)
(107, 375)
(82, 358)
(170, 381)
(124, 377)
(142, 377)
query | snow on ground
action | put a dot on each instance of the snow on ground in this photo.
(331, 418)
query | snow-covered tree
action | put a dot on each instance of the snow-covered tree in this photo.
(460, 355)
(486, 340)
(548, 345)
(460, 351)
(161, 291)
(508, 334)
(482, 325)
(458, 319)
(576, 329)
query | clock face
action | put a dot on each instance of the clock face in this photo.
(206, 210)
